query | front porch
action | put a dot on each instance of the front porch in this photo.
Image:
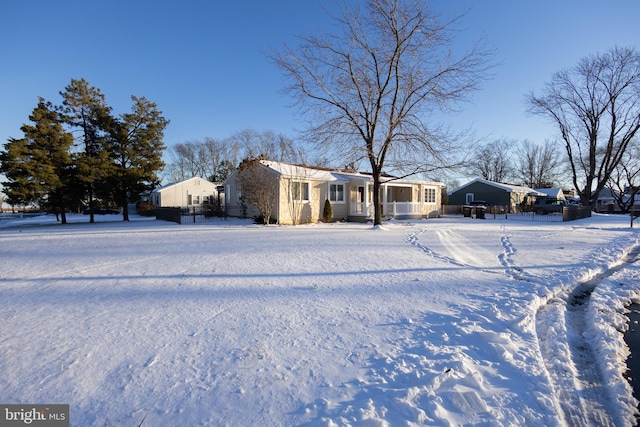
(397, 210)
(399, 201)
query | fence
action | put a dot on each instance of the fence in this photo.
(569, 213)
(185, 215)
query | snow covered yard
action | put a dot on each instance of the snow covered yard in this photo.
(441, 322)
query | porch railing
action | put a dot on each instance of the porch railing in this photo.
(388, 209)
(401, 208)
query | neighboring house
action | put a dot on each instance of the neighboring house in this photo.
(493, 193)
(555, 193)
(185, 194)
(606, 201)
(303, 190)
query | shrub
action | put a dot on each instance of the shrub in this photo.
(327, 212)
(260, 220)
(144, 208)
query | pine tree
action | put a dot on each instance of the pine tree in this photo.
(327, 212)
(85, 108)
(39, 166)
(136, 151)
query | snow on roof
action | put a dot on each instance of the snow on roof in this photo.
(164, 187)
(325, 174)
(287, 169)
(551, 192)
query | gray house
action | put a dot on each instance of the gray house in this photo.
(494, 193)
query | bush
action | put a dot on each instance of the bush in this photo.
(327, 212)
(260, 220)
(212, 209)
(144, 208)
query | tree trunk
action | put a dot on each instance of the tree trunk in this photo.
(63, 216)
(125, 211)
(377, 207)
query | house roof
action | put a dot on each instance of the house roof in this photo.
(289, 170)
(325, 174)
(164, 187)
(505, 187)
(552, 192)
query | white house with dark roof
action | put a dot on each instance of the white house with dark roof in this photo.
(302, 191)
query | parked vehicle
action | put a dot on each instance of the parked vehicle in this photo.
(476, 203)
(101, 211)
(548, 205)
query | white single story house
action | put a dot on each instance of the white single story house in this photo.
(190, 193)
(303, 190)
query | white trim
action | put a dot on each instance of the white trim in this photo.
(468, 198)
(435, 195)
(308, 192)
(343, 192)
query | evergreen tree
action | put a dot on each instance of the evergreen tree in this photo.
(327, 212)
(39, 166)
(18, 189)
(85, 109)
(136, 151)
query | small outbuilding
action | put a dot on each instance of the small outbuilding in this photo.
(193, 192)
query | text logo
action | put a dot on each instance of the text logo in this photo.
(36, 415)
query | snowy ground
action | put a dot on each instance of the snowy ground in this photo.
(451, 321)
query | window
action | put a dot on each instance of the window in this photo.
(336, 192)
(469, 197)
(430, 195)
(300, 191)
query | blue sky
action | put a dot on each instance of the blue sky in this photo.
(204, 63)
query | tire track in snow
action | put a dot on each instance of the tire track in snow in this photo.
(413, 239)
(580, 391)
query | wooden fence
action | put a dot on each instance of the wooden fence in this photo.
(185, 215)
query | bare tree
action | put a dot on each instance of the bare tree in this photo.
(219, 157)
(493, 161)
(209, 159)
(624, 182)
(259, 186)
(370, 89)
(268, 145)
(186, 161)
(596, 106)
(539, 166)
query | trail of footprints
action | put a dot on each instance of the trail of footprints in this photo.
(580, 399)
(505, 257)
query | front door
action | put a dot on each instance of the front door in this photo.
(360, 200)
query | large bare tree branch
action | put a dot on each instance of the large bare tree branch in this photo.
(596, 106)
(369, 90)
